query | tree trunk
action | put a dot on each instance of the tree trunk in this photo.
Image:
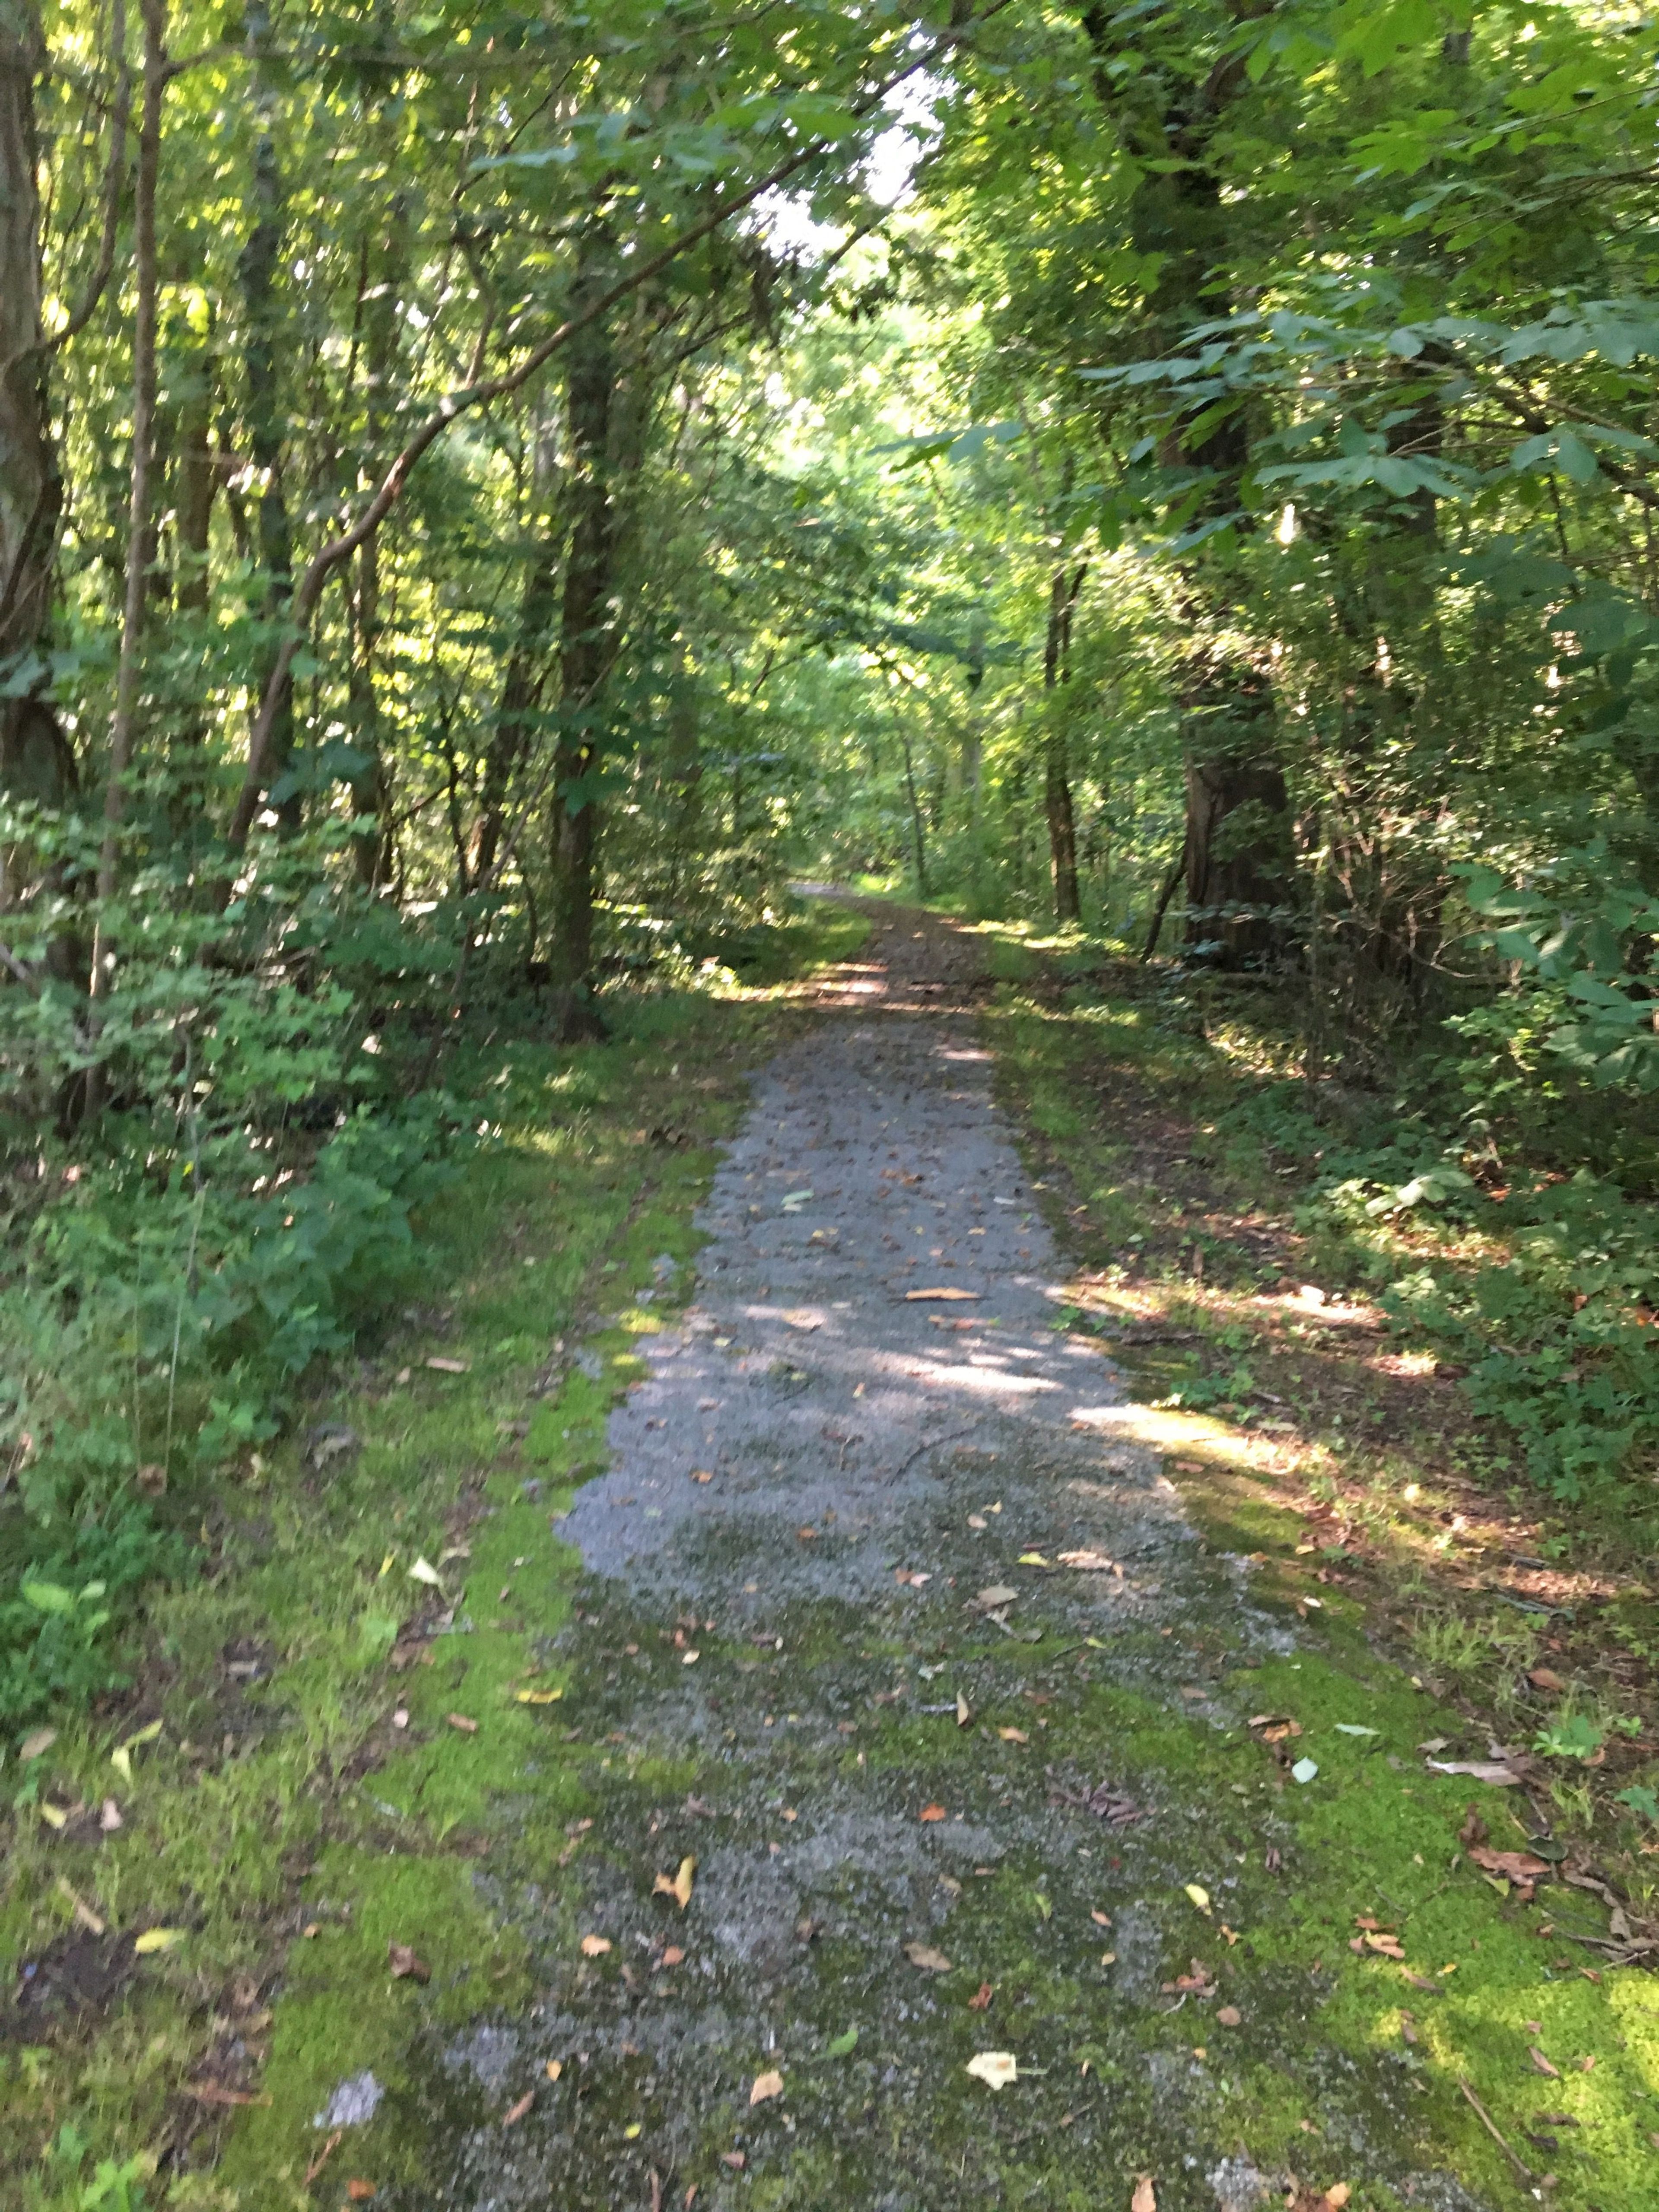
(520, 701)
(274, 536)
(36, 761)
(1178, 215)
(1056, 776)
(587, 626)
(371, 786)
(1238, 858)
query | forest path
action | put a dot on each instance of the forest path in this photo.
(837, 1519)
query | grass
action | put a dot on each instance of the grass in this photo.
(293, 1797)
(292, 1831)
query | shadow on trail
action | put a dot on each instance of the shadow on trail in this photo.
(930, 1677)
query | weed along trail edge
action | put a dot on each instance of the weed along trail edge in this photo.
(910, 1809)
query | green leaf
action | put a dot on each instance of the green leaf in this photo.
(49, 1597)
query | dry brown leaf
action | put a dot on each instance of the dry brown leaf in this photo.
(1338, 2196)
(595, 1947)
(360, 2191)
(554, 2068)
(449, 1366)
(673, 1955)
(1388, 1945)
(934, 1812)
(1146, 2197)
(677, 1885)
(734, 2159)
(911, 1296)
(1542, 2063)
(1090, 1563)
(406, 1965)
(514, 2113)
(981, 2000)
(1228, 2016)
(964, 1711)
(1013, 1735)
(924, 1955)
(995, 1597)
(460, 1721)
(1545, 1678)
(767, 2086)
(1101, 1919)
(1515, 1866)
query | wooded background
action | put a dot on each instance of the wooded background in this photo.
(487, 496)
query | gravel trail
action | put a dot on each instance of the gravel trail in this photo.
(889, 1629)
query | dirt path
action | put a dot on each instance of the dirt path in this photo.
(890, 1629)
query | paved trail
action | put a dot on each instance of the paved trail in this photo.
(799, 1563)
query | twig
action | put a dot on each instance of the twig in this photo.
(1491, 2126)
(323, 2157)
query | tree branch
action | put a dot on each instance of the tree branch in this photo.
(459, 402)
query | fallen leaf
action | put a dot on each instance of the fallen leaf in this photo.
(1479, 1769)
(1515, 1866)
(673, 1956)
(110, 1818)
(324, 2156)
(360, 2191)
(406, 1965)
(54, 1815)
(1338, 2196)
(793, 1200)
(924, 1955)
(677, 1885)
(964, 1711)
(1101, 1919)
(514, 2113)
(1200, 1896)
(689, 1658)
(538, 1697)
(996, 2069)
(911, 1296)
(996, 1596)
(449, 1366)
(1108, 1958)
(1542, 2063)
(1091, 1563)
(934, 1812)
(734, 2159)
(1032, 1559)
(425, 1571)
(1545, 1678)
(1304, 1770)
(767, 2086)
(1146, 2197)
(595, 1947)
(1013, 1735)
(803, 1318)
(981, 2000)
(1382, 1941)
(1353, 1728)
(555, 2067)
(977, 1521)
(1473, 1829)
(460, 1721)
(36, 1744)
(157, 1939)
(1228, 2016)
(702, 1474)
